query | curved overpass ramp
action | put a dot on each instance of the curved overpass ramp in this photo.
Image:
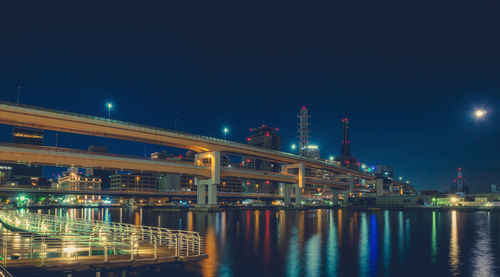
(36, 117)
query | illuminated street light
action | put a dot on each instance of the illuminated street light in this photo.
(331, 158)
(293, 146)
(225, 130)
(109, 105)
(400, 178)
(480, 113)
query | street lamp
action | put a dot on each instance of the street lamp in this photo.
(331, 158)
(225, 130)
(109, 105)
(293, 146)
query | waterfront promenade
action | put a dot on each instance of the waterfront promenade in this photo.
(55, 243)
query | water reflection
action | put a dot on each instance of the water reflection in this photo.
(387, 243)
(332, 254)
(293, 259)
(313, 243)
(363, 246)
(454, 258)
(400, 234)
(433, 239)
(313, 256)
(209, 266)
(373, 245)
(482, 256)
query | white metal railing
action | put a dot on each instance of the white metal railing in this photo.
(49, 235)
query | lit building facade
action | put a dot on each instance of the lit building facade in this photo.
(265, 137)
(134, 182)
(78, 182)
(26, 174)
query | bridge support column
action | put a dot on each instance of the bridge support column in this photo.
(201, 191)
(298, 195)
(335, 201)
(212, 182)
(301, 178)
(212, 194)
(287, 191)
(351, 184)
(379, 187)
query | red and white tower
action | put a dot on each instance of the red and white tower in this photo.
(460, 180)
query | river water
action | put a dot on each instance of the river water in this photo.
(334, 242)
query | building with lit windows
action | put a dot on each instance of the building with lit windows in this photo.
(5, 174)
(26, 175)
(312, 151)
(72, 180)
(134, 182)
(265, 137)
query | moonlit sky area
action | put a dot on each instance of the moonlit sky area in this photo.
(408, 75)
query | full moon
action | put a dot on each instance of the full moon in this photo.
(479, 113)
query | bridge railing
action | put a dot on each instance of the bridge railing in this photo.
(243, 169)
(110, 237)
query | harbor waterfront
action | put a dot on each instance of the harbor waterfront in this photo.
(322, 242)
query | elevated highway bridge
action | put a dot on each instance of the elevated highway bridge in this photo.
(206, 147)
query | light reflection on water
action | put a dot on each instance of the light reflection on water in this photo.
(482, 259)
(332, 248)
(363, 246)
(454, 248)
(387, 243)
(328, 242)
(433, 239)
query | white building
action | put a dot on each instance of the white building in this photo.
(72, 180)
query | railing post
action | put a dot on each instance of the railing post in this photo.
(43, 251)
(90, 246)
(106, 252)
(199, 245)
(131, 249)
(176, 246)
(156, 253)
(4, 252)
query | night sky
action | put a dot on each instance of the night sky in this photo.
(408, 74)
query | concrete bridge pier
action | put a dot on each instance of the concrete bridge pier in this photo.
(212, 195)
(298, 195)
(379, 187)
(286, 191)
(335, 201)
(201, 191)
(208, 186)
(301, 178)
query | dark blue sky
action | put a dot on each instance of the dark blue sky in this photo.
(408, 74)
